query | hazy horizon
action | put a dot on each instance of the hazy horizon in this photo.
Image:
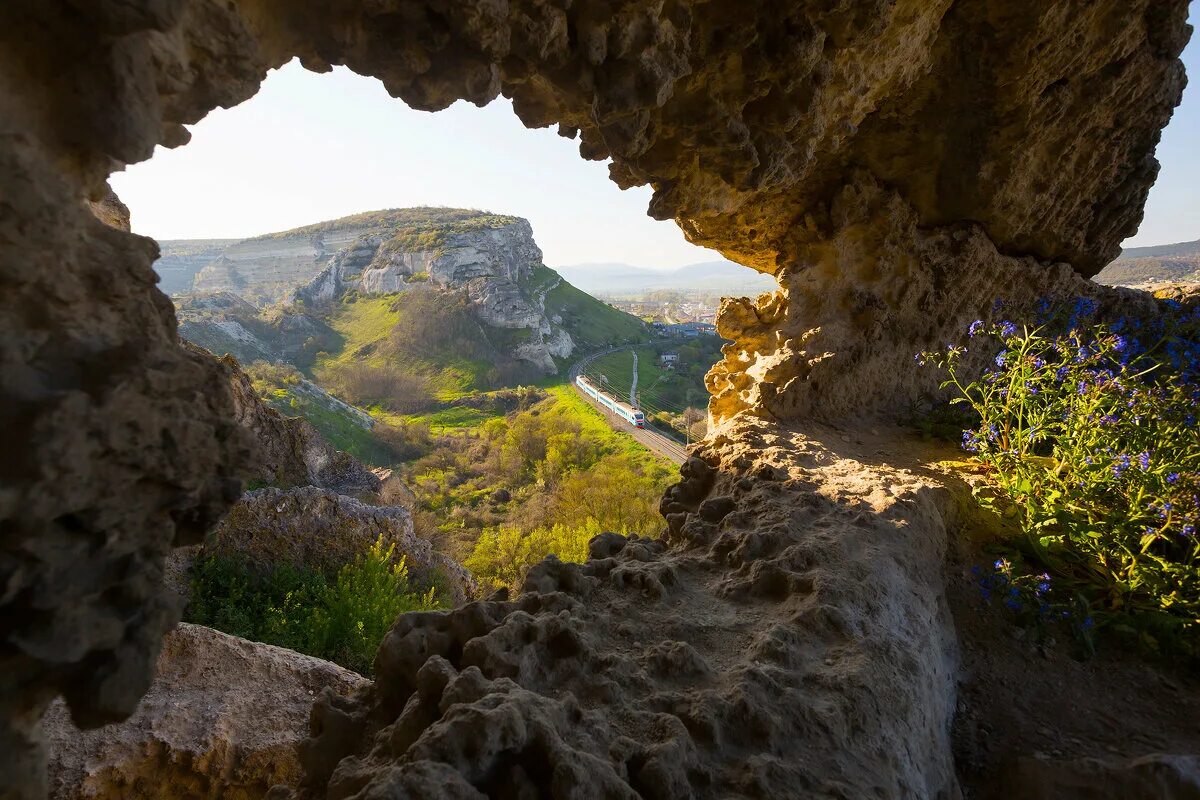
(311, 147)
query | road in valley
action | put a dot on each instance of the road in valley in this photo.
(633, 386)
(662, 445)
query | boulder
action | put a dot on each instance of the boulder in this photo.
(313, 527)
(221, 720)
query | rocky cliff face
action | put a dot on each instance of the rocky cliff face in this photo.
(875, 155)
(491, 258)
(179, 261)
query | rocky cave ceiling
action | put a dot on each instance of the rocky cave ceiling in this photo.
(898, 164)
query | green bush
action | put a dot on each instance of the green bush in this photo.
(503, 555)
(340, 618)
(1089, 436)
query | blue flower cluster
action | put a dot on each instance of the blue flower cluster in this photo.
(1027, 595)
(1089, 430)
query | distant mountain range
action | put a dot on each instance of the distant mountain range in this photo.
(709, 277)
(1144, 266)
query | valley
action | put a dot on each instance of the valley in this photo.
(314, 512)
(1154, 267)
(435, 347)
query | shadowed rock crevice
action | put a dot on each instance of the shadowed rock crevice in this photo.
(895, 163)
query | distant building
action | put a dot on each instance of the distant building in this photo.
(669, 360)
(691, 330)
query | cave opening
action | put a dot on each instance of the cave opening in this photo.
(895, 174)
(269, 193)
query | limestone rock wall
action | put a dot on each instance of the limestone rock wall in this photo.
(179, 261)
(750, 119)
(838, 341)
(222, 720)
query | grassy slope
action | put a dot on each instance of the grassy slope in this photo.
(365, 326)
(564, 400)
(592, 323)
(336, 426)
(658, 389)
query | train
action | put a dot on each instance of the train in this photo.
(622, 410)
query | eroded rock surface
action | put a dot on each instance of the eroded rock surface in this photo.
(786, 639)
(838, 342)
(313, 527)
(222, 720)
(1027, 128)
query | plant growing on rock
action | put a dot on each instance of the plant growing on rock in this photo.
(340, 618)
(1088, 431)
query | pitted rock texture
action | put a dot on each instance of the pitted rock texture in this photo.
(839, 340)
(312, 527)
(222, 721)
(291, 451)
(1035, 122)
(786, 639)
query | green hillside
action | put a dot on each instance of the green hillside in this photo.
(592, 323)
(427, 344)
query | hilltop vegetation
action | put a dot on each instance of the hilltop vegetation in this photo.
(419, 228)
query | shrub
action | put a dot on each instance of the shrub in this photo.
(1089, 435)
(395, 389)
(340, 618)
(503, 555)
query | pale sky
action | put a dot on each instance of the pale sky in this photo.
(312, 147)
(1173, 210)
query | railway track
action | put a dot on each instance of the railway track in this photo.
(664, 446)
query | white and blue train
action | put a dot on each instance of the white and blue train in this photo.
(623, 410)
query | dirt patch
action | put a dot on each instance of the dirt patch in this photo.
(1022, 701)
